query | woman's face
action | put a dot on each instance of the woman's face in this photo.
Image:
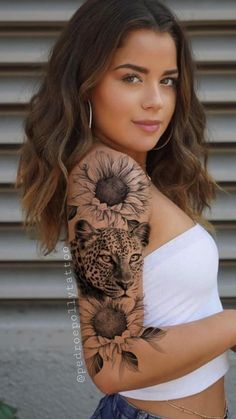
(125, 95)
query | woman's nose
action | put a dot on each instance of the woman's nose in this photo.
(153, 98)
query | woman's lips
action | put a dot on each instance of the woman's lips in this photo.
(148, 128)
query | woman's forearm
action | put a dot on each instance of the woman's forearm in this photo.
(184, 348)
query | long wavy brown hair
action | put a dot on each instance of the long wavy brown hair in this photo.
(56, 128)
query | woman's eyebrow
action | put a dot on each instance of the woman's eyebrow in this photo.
(145, 70)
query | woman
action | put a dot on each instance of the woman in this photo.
(112, 154)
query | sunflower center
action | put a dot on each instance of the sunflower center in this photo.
(110, 322)
(111, 190)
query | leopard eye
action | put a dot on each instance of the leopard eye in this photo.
(106, 258)
(135, 257)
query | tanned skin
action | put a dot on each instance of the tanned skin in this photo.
(109, 203)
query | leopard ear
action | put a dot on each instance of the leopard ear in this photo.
(84, 233)
(142, 231)
(71, 211)
(132, 224)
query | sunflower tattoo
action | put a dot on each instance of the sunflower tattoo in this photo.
(110, 327)
(112, 191)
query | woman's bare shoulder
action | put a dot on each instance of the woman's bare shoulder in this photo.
(108, 188)
(99, 150)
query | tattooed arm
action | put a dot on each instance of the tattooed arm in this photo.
(109, 203)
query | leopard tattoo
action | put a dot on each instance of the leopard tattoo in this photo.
(108, 261)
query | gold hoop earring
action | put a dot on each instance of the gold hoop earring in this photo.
(158, 148)
(90, 114)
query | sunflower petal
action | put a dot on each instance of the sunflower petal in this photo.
(127, 305)
(103, 341)
(135, 330)
(91, 342)
(90, 352)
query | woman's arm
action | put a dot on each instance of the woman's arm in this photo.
(185, 348)
(109, 206)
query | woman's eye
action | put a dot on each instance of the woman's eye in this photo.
(173, 81)
(130, 77)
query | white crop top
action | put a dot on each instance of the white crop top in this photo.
(180, 286)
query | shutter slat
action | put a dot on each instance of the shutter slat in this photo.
(207, 10)
(17, 246)
(33, 48)
(222, 165)
(39, 282)
(186, 10)
(214, 48)
(227, 275)
(25, 48)
(221, 126)
(32, 11)
(217, 87)
(17, 89)
(11, 128)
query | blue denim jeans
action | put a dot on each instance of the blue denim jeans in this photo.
(114, 406)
